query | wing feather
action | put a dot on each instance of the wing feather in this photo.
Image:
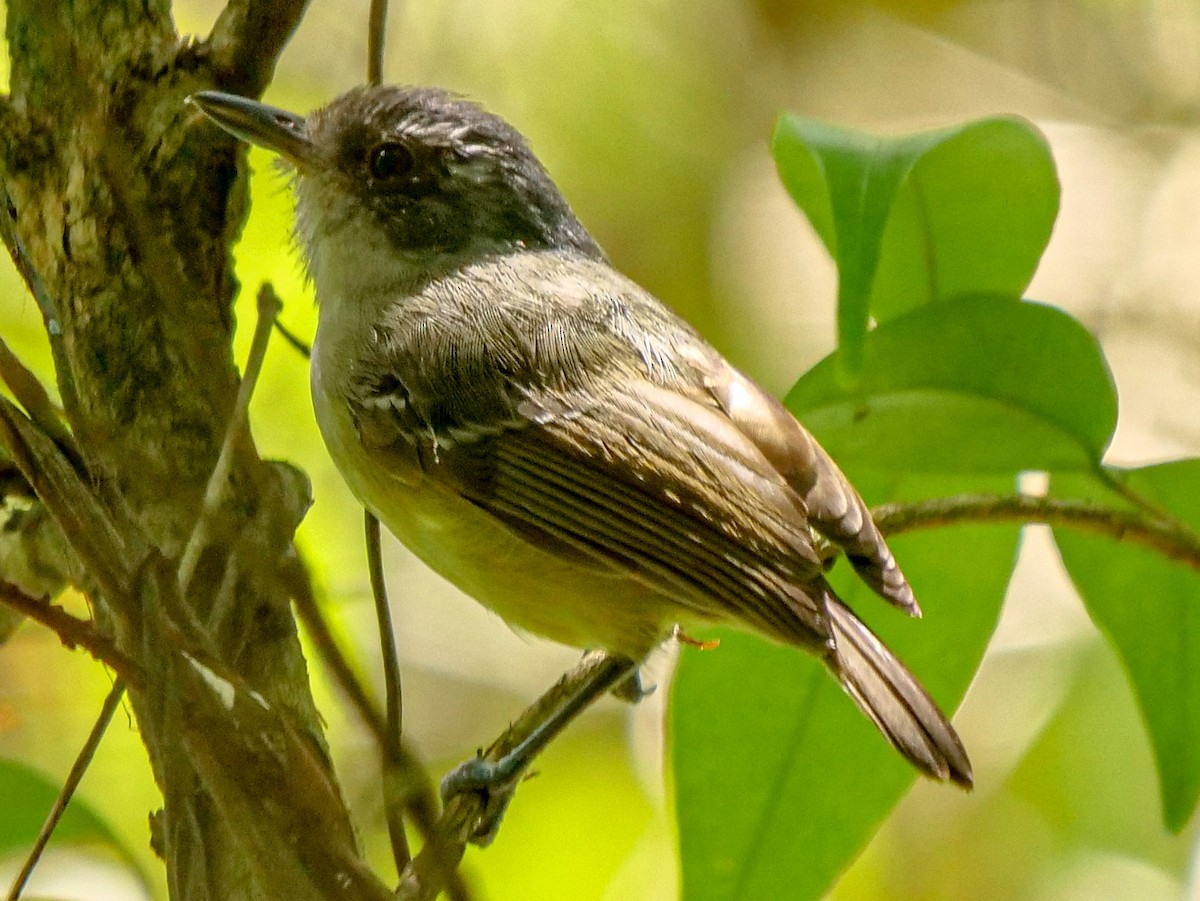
(629, 478)
(662, 449)
(685, 558)
(834, 507)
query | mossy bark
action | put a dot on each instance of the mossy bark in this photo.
(124, 205)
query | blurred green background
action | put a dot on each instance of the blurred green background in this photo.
(654, 117)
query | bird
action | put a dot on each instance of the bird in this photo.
(545, 433)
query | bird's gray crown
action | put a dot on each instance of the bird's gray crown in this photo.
(436, 172)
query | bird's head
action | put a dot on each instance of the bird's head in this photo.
(421, 170)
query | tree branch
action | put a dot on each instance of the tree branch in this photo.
(121, 211)
(1166, 536)
(407, 777)
(247, 39)
(294, 832)
(460, 820)
(73, 632)
(269, 306)
(376, 31)
(101, 546)
(31, 394)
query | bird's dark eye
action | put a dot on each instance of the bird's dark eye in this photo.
(389, 160)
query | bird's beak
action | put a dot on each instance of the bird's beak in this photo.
(257, 123)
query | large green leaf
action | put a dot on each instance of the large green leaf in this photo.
(921, 217)
(967, 386)
(1148, 608)
(779, 780)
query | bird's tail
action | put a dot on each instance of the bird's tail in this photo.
(892, 697)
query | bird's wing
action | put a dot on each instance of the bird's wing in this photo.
(638, 476)
(835, 508)
(563, 399)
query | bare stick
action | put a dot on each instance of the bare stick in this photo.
(30, 394)
(461, 818)
(82, 761)
(37, 287)
(268, 308)
(72, 631)
(331, 655)
(20, 256)
(1166, 536)
(86, 524)
(301, 346)
(376, 26)
(394, 698)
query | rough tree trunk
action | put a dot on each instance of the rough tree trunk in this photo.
(125, 204)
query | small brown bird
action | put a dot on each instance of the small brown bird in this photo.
(546, 434)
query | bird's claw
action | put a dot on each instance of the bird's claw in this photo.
(492, 784)
(632, 689)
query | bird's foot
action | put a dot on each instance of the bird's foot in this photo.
(632, 689)
(494, 783)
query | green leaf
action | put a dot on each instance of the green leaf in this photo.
(920, 218)
(1149, 611)
(967, 386)
(779, 779)
(28, 797)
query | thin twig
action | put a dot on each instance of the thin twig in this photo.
(387, 637)
(31, 394)
(37, 287)
(20, 257)
(1166, 536)
(301, 346)
(394, 704)
(247, 39)
(268, 308)
(407, 771)
(72, 631)
(430, 869)
(82, 761)
(331, 655)
(87, 525)
(376, 28)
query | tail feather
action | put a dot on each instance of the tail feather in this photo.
(892, 697)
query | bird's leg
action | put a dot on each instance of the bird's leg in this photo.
(493, 775)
